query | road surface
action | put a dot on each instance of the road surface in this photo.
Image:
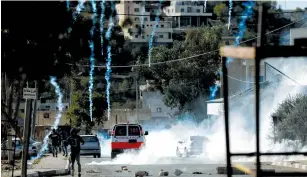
(105, 168)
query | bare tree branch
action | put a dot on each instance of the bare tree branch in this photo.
(10, 100)
(11, 122)
(19, 93)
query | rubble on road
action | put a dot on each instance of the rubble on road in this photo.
(197, 173)
(141, 173)
(178, 172)
(124, 168)
(163, 173)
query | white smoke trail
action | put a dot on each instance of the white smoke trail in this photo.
(58, 117)
(161, 145)
(229, 13)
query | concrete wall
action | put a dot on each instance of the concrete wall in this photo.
(126, 115)
(296, 33)
(154, 101)
(44, 121)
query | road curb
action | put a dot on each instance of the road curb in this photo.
(58, 172)
(235, 171)
(291, 164)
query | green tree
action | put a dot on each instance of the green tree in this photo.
(78, 112)
(290, 119)
(182, 82)
(220, 10)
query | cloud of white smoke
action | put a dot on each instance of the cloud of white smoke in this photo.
(161, 145)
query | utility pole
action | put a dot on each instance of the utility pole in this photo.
(26, 136)
(137, 99)
(34, 113)
(260, 42)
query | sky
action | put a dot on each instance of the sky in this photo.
(292, 4)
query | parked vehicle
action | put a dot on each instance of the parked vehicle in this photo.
(91, 146)
(193, 146)
(34, 147)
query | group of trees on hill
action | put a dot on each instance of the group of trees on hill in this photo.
(39, 39)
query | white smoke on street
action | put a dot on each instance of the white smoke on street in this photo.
(161, 145)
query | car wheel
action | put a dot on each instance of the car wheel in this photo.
(178, 154)
(186, 153)
(113, 155)
(98, 155)
(94, 156)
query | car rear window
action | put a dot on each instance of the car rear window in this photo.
(134, 130)
(121, 130)
(90, 138)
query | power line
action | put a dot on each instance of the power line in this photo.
(163, 16)
(186, 58)
(248, 82)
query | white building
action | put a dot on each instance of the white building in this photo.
(161, 115)
(143, 18)
(187, 14)
(182, 15)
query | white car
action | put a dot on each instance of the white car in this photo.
(193, 146)
(34, 147)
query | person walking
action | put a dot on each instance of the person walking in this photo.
(55, 139)
(74, 141)
(64, 142)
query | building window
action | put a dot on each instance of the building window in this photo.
(161, 36)
(189, 9)
(168, 11)
(66, 107)
(143, 26)
(162, 26)
(46, 115)
(170, 35)
(136, 10)
(136, 36)
(136, 19)
(182, 9)
(157, 26)
(136, 25)
(172, 10)
(198, 10)
(145, 19)
(143, 37)
(159, 109)
(47, 107)
(22, 110)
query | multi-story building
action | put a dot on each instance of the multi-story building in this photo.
(45, 117)
(187, 14)
(143, 17)
(176, 18)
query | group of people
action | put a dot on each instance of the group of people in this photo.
(60, 139)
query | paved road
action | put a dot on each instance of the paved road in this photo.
(106, 168)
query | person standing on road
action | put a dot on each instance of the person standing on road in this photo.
(55, 138)
(64, 142)
(74, 141)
